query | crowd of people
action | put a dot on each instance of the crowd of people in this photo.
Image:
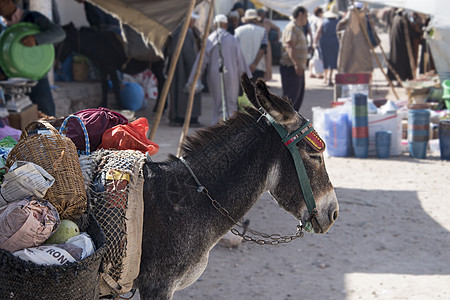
(241, 41)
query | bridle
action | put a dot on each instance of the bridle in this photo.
(290, 141)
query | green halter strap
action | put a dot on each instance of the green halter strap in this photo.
(290, 140)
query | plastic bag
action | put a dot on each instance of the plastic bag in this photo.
(132, 136)
(317, 63)
(75, 249)
(27, 223)
(25, 179)
(9, 131)
(334, 125)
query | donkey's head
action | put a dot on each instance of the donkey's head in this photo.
(299, 181)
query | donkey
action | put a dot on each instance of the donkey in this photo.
(191, 202)
(107, 53)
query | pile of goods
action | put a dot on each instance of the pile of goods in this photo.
(51, 240)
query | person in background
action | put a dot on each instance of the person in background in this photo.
(253, 41)
(239, 7)
(25, 4)
(51, 33)
(351, 37)
(234, 21)
(328, 43)
(234, 65)
(178, 97)
(268, 25)
(316, 64)
(399, 56)
(293, 57)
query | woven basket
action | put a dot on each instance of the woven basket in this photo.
(20, 279)
(57, 155)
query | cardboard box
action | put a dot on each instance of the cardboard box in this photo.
(22, 119)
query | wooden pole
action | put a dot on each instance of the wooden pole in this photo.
(399, 80)
(173, 64)
(190, 104)
(366, 35)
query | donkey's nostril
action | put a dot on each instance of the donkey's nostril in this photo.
(334, 215)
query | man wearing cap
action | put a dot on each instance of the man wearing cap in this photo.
(50, 34)
(294, 54)
(253, 41)
(234, 65)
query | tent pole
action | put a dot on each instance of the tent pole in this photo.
(399, 80)
(173, 64)
(366, 35)
(190, 104)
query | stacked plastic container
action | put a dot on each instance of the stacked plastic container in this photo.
(360, 129)
(418, 132)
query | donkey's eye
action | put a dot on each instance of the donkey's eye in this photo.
(317, 157)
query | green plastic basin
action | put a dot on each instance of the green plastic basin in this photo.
(17, 60)
(446, 88)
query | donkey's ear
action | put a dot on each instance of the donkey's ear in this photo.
(249, 90)
(280, 109)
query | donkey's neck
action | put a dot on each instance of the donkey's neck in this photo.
(234, 167)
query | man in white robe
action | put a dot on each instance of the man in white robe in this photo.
(234, 66)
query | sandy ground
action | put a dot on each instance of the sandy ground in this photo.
(391, 240)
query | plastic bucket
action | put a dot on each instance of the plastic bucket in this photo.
(444, 139)
(383, 143)
(418, 132)
(447, 102)
(360, 129)
(446, 89)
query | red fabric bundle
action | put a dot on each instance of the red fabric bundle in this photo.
(132, 136)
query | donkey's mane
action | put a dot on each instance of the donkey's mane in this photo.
(201, 138)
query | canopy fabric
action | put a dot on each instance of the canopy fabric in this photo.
(155, 19)
(440, 23)
(285, 7)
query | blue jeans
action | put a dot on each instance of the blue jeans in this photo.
(293, 85)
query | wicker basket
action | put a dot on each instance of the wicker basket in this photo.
(20, 279)
(57, 154)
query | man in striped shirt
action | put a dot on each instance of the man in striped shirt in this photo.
(294, 55)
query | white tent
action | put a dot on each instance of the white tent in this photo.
(440, 24)
(285, 7)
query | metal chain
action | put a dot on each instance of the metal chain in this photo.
(267, 239)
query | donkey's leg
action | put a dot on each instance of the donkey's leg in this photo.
(116, 86)
(160, 293)
(104, 80)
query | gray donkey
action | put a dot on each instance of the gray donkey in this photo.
(190, 203)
